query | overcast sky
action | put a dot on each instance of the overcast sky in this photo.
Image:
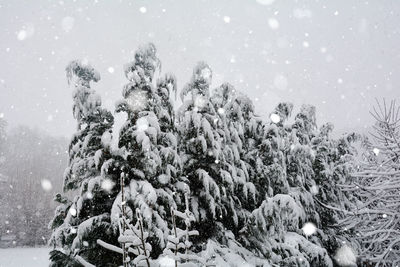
(336, 55)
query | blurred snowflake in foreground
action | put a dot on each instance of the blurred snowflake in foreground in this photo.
(345, 256)
(137, 100)
(46, 185)
(275, 118)
(309, 229)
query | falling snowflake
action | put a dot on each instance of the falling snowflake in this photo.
(27, 31)
(273, 23)
(46, 185)
(72, 211)
(137, 100)
(227, 19)
(309, 229)
(107, 184)
(110, 70)
(221, 111)
(376, 151)
(21, 35)
(345, 256)
(275, 118)
(143, 9)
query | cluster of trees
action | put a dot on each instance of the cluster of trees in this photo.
(251, 185)
(265, 193)
(30, 165)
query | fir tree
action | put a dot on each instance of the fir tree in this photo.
(375, 212)
(79, 222)
(200, 147)
(150, 164)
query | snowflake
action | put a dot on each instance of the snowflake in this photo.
(72, 211)
(107, 184)
(275, 118)
(345, 256)
(143, 9)
(137, 100)
(46, 185)
(273, 23)
(309, 229)
(227, 19)
(110, 69)
(376, 151)
(22, 35)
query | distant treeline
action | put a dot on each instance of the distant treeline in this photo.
(31, 168)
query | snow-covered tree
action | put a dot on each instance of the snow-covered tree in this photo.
(335, 161)
(149, 163)
(200, 147)
(238, 193)
(79, 222)
(375, 216)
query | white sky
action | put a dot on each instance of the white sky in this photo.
(336, 55)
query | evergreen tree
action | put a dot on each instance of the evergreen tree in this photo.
(335, 161)
(238, 193)
(150, 164)
(201, 150)
(375, 213)
(79, 222)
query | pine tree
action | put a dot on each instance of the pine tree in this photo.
(286, 178)
(238, 193)
(335, 161)
(376, 187)
(79, 222)
(200, 147)
(150, 164)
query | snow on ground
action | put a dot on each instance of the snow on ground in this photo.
(24, 257)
